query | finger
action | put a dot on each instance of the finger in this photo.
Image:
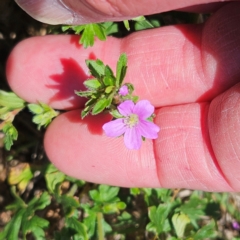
(86, 11)
(181, 157)
(223, 120)
(170, 65)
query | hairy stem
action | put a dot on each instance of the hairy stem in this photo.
(100, 226)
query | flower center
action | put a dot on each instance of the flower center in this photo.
(131, 120)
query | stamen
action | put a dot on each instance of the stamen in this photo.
(131, 120)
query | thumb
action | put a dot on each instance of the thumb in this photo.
(86, 11)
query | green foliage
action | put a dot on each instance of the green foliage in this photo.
(102, 90)
(88, 32)
(141, 23)
(121, 69)
(43, 114)
(20, 175)
(10, 106)
(25, 220)
(11, 134)
(53, 177)
(159, 222)
(180, 221)
(9, 101)
(208, 231)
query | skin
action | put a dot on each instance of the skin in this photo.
(190, 73)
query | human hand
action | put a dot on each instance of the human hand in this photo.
(189, 72)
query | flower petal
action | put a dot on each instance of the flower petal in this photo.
(114, 128)
(148, 129)
(123, 90)
(132, 138)
(143, 109)
(126, 107)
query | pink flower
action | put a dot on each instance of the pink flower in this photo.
(123, 90)
(134, 124)
(236, 225)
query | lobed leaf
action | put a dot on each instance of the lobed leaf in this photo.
(11, 134)
(78, 227)
(180, 221)
(206, 232)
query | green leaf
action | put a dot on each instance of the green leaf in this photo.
(110, 27)
(89, 31)
(11, 100)
(35, 108)
(180, 221)
(109, 89)
(53, 177)
(113, 207)
(90, 222)
(108, 71)
(38, 203)
(126, 24)
(77, 29)
(100, 106)
(96, 67)
(104, 194)
(109, 81)
(99, 31)
(135, 191)
(116, 114)
(35, 225)
(43, 114)
(141, 25)
(21, 175)
(84, 113)
(121, 69)
(69, 204)
(84, 93)
(92, 84)
(11, 134)
(158, 216)
(65, 28)
(125, 216)
(11, 230)
(77, 226)
(106, 227)
(194, 208)
(206, 232)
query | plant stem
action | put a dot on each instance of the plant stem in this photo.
(100, 226)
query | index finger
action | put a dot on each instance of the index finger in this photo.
(170, 65)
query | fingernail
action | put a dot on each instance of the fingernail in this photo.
(47, 11)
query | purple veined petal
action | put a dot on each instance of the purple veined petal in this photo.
(143, 109)
(126, 107)
(114, 128)
(148, 129)
(132, 138)
(123, 90)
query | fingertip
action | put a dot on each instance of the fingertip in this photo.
(51, 12)
(40, 69)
